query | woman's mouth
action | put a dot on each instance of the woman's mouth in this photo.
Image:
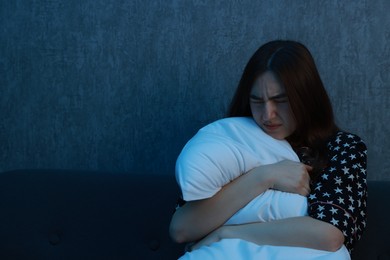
(272, 127)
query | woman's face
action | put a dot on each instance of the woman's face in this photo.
(271, 108)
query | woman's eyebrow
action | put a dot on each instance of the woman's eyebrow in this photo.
(252, 96)
(281, 95)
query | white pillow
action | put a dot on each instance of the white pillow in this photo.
(225, 149)
(222, 151)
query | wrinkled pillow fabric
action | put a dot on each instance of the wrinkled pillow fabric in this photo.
(224, 150)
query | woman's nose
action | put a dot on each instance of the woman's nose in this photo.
(269, 110)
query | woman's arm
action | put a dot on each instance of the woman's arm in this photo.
(337, 206)
(340, 194)
(196, 219)
(298, 231)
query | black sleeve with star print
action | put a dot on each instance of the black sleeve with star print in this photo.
(339, 196)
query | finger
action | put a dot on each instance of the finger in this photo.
(305, 191)
(308, 190)
(305, 181)
(305, 188)
(308, 167)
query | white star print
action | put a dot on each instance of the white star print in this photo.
(333, 210)
(347, 166)
(346, 214)
(334, 222)
(320, 215)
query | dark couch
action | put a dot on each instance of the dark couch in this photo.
(47, 214)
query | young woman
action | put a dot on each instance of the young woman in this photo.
(282, 93)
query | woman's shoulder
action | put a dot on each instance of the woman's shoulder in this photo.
(345, 141)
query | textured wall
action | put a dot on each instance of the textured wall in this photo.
(122, 85)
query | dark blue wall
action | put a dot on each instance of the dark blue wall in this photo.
(122, 85)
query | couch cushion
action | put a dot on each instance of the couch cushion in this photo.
(86, 215)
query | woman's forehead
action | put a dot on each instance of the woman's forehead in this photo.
(267, 85)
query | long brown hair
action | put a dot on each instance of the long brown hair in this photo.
(292, 63)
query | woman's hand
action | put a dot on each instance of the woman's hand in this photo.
(288, 176)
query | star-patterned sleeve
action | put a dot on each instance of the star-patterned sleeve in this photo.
(339, 195)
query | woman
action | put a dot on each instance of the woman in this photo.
(283, 93)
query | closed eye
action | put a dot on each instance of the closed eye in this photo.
(256, 100)
(281, 100)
